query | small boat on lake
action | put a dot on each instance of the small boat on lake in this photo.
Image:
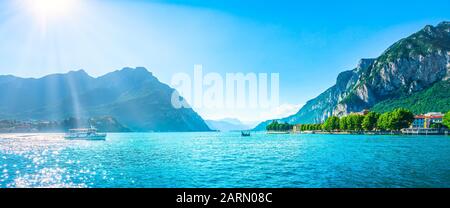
(85, 134)
(245, 134)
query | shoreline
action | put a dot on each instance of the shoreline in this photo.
(398, 133)
(45, 136)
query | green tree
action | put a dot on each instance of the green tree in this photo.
(272, 126)
(275, 126)
(383, 122)
(369, 122)
(288, 127)
(446, 120)
(343, 123)
(354, 122)
(332, 123)
(401, 118)
(348, 122)
(436, 125)
(395, 120)
(357, 122)
(318, 126)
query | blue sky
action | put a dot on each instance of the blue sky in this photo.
(307, 42)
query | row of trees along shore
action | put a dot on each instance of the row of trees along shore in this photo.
(389, 121)
(275, 126)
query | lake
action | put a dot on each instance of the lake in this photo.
(214, 159)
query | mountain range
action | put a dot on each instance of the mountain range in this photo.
(133, 96)
(413, 73)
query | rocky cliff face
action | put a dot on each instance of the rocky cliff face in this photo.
(327, 103)
(411, 65)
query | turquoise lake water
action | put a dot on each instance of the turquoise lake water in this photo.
(226, 160)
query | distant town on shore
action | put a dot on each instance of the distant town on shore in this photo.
(399, 121)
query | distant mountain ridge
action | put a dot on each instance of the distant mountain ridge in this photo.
(227, 124)
(407, 68)
(133, 96)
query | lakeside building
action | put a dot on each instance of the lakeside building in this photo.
(427, 124)
(424, 131)
(297, 128)
(426, 120)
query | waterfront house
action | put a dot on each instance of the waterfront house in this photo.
(297, 128)
(423, 124)
(426, 120)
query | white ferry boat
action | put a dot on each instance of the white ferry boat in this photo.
(86, 134)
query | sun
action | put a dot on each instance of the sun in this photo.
(50, 8)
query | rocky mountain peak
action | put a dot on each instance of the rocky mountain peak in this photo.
(444, 24)
(79, 73)
(137, 70)
(364, 64)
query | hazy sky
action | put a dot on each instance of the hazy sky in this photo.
(308, 42)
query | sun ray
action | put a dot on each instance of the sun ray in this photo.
(45, 12)
(51, 8)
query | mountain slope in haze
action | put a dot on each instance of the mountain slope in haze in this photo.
(132, 96)
(408, 67)
(225, 125)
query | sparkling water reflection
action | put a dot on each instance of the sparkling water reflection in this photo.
(225, 160)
